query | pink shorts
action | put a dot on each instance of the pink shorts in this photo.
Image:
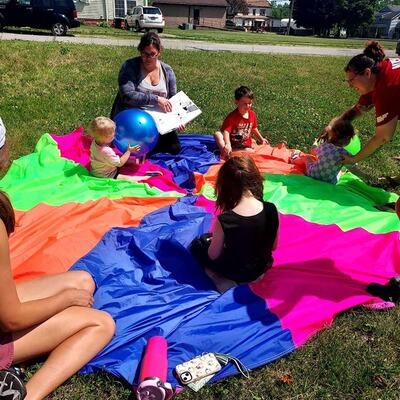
(6, 350)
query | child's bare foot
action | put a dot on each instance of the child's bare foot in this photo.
(136, 178)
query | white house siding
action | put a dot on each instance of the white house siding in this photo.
(265, 12)
(392, 27)
(95, 9)
(102, 9)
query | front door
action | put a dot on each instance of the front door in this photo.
(196, 16)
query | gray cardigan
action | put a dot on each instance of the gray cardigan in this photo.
(128, 81)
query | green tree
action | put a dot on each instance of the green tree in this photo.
(237, 6)
(320, 15)
(280, 10)
(382, 3)
(356, 14)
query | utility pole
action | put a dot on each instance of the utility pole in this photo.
(290, 16)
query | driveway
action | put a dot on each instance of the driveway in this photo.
(194, 45)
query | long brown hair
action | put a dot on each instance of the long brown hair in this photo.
(7, 214)
(237, 176)
(371, 57)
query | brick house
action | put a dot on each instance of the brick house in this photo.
(210, 13)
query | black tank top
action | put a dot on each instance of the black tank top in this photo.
(248, 243)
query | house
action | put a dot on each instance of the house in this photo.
(94, 10)
(258, 16)
(387, 22)
(210, 13)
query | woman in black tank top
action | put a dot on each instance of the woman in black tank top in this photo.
(246, 232)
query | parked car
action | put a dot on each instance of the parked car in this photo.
(145, 18)
(56, 15)
(229, 24)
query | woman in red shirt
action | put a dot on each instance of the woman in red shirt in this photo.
(377, 79)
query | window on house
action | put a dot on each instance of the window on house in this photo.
(119, 8)
(254, 11)
(262, 11)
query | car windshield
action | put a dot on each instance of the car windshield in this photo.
(151, 10)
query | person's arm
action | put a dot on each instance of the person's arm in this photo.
(353, 112)
(125, 157)
(130, 96)
(217, 241)
(259, 137)
(227, 141)
(275, 245)
(170, 78)
(14, 315)
(383, 134)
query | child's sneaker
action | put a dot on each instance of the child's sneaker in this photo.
(11, 386)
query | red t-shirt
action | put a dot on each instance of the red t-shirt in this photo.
(386, 95)
(240, 128)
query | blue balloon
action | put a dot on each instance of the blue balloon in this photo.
(135, 126)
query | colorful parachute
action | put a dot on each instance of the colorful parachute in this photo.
(133, 239)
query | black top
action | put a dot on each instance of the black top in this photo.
(248, 243)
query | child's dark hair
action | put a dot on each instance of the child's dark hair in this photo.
(7, 214)
(150, 39)
(371, 58)
(343, 132)
(243, 91)
(237, 176)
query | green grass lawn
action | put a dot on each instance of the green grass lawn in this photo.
(55, 88)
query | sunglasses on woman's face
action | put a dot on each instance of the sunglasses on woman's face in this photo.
(145, 54)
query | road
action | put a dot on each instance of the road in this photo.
(193, 45)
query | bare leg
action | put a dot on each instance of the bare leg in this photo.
(136, 178)
(221, 283)
(51, 285)
(72, 337)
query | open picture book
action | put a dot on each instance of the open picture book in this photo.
(183, 112)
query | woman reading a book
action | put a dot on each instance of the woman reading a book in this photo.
(146, 82)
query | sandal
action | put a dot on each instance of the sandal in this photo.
(11, 386)
(392, 181)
